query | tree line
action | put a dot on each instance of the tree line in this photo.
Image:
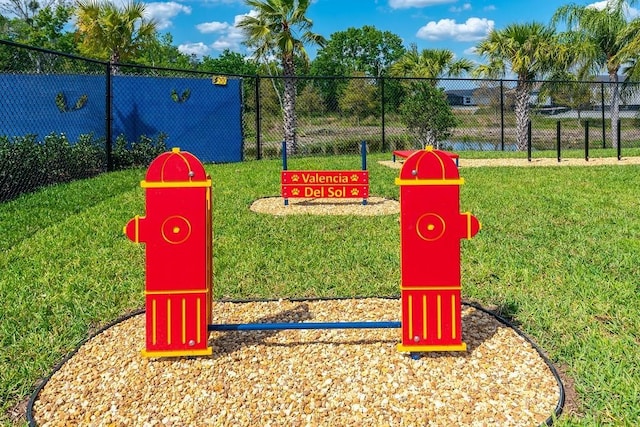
(578, 43)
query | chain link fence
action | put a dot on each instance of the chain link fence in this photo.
(334, 114)
(63, 117)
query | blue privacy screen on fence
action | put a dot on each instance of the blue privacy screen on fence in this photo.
(31, 104)
(195, 114)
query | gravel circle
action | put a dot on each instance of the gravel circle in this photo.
(374, 206)
(303, 377)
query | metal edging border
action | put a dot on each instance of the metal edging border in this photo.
(554, 371)
(548, 422)
(56, 368)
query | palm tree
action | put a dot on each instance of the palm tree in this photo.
(111, 33)
(607, 42)
(530, 51)
(272, 32)
(430, 64)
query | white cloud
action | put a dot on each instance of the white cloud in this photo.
(198, 49)
(630, 12)
(471, 51)
(230, 36)
(212, 27)
(489, 8)
(222, 44)
(406, 4)
(473, 29)
(454, 9)
(226, 36)
(599, 5)
(162, 13)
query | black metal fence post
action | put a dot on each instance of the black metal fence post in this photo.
(108, 119)
(257, 110)
(529, 140)
(383, 143)
(604, 128)
(502, 115)
(558, 139)
(619, 141)
(586, 140)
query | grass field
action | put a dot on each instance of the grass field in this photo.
(558, 253)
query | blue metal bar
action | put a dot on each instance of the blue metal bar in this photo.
(284, 155)
(284, 164)
(363, 152)
(302, 325)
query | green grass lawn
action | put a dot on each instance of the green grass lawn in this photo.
(559, 253)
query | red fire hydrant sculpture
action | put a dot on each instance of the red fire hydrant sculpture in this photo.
(177, 234)
(431, 228)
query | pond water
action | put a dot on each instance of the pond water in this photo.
(476, 146)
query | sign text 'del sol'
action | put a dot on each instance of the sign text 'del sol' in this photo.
(325, 184)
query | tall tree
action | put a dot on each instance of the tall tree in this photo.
(364, 50)
(530, 51)
(26, 10)
(112, 33)
(228, 62)
(271, 32)
(358, 50)
(46, 29)
(160, 51)
(360, 98)
(430, 64)
(606, 35)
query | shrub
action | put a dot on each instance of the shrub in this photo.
(88, 154)
(427, 114)
(137, 154)
(27, 164)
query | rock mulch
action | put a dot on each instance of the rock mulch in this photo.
(475, 163)
(374, 206)
(303, 377)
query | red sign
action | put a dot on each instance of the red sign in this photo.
(325, 184)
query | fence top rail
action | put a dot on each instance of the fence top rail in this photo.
(595, 81)
(52, 52)
(118, 64)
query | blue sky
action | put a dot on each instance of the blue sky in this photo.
(206, 27)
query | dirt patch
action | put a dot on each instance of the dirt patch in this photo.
(572, 402)
(17, 413)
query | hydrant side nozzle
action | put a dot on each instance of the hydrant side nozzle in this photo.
(472, 225)
(132, 229)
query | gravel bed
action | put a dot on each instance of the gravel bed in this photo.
(471, 163)
(374, 206)
(303, 377)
